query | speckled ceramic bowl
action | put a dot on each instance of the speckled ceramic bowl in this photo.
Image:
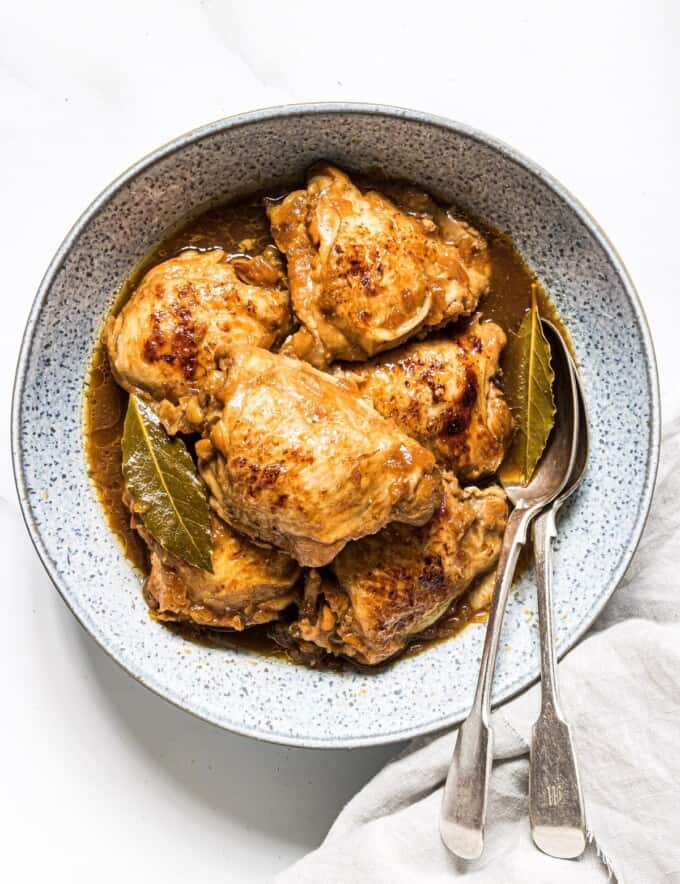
(263, 697)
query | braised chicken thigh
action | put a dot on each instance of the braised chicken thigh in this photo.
(167, 341)
(383, 590)
(442, 392)
(297, 461)
(365, 275)
(250, 584)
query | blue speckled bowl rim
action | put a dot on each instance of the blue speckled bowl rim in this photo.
(313, 108)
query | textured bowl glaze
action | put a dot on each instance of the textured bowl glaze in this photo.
(260, 696)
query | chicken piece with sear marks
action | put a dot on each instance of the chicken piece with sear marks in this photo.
(298, 461)
(364, 275)
(442, 392)
(167, 342)
(250, 584)
(382, 591)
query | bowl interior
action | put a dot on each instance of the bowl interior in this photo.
(264, 697)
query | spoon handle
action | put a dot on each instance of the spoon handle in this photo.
(556, 808)
(463, 810)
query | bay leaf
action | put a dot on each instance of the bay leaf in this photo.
(529, 391)
(161, 479)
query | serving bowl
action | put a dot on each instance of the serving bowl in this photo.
(262, 696)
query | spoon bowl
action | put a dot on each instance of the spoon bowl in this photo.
(582, 442)
(555, 467)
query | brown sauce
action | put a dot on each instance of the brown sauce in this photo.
(238, 228)
(105, 406)
(256, 639)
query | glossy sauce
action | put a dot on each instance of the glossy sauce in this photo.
(240, 228)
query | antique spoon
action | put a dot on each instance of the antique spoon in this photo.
(463, 810)
(556, 808)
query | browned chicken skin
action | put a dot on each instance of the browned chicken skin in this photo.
(250, 584)
(365, 275)
(298, 461)
(441, 391)
(383, 590)
(167, 341)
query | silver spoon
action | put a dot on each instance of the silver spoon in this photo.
(463, 810)
(556, 808)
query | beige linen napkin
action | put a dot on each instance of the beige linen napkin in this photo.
(621, 691)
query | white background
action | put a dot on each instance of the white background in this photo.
(101, 780)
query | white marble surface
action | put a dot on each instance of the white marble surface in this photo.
(102, 780)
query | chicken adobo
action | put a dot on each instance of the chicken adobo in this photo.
(249, 584)
(384, 589)
(168, 340)
(297, 461)
(443, 392)
(327, 386)
(364, 275)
